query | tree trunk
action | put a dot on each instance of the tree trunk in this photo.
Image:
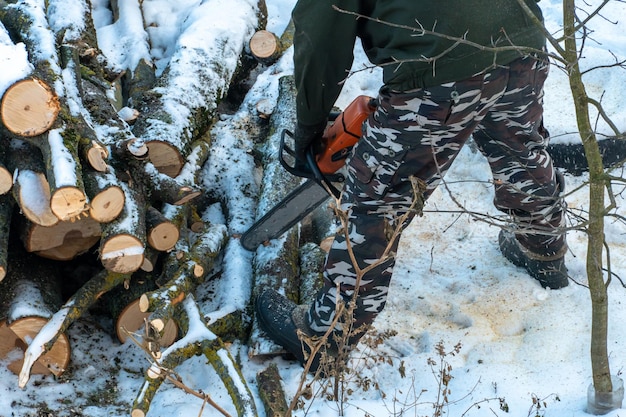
(279, 270)
(597, 181)
(169, 127)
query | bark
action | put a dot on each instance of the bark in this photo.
(6, 214)
(6, 177)
(271, 392)
(312, 259)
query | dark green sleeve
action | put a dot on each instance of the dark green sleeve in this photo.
(323, 53)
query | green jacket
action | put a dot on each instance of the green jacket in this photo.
(324, 42)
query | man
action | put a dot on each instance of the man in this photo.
(451, 69)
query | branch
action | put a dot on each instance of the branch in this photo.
(421, 31)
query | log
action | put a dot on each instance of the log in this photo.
(122, 243)
(169, 126)
(312, 259)
(62, 241)
(105, 194)
(162, 234)
(29, 107)
(141, 72)
(271, 392)
(184, 187)
(31, 294)
(67, 196)
(267, 48)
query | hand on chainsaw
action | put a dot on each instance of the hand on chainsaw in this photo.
(306, 137)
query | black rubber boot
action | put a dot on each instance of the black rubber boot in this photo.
(281, 319)
(551, 272)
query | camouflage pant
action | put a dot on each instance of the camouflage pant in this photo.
(419, 133)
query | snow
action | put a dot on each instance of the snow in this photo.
(518, 342)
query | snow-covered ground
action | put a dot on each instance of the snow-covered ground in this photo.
(520, 345)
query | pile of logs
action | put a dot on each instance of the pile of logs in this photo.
(105, 165)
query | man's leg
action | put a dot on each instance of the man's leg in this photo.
(527, 187)
(410, 135)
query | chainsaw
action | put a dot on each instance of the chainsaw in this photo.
(322, 174)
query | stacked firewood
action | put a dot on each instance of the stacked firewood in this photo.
(96, 160)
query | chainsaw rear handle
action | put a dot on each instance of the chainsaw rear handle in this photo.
(336, 143)
(311, 170)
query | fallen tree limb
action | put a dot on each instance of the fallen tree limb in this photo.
(73, 309)
(191, 272)
(271, 392)
(198, 340)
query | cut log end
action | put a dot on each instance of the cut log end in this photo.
(3, 273)
(132, 319)
(63, 241)
(68, 203)
(165, 158)
(264, 45)
(122, 254)
(137, 413)
(163, 237)
(144, 303)
(107, 205)
(97, 155)
(22, 331)
(190, 195)
(29, 107)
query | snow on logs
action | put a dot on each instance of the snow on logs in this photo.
(77, 174)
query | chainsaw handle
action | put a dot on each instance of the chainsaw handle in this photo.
(311, 170)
